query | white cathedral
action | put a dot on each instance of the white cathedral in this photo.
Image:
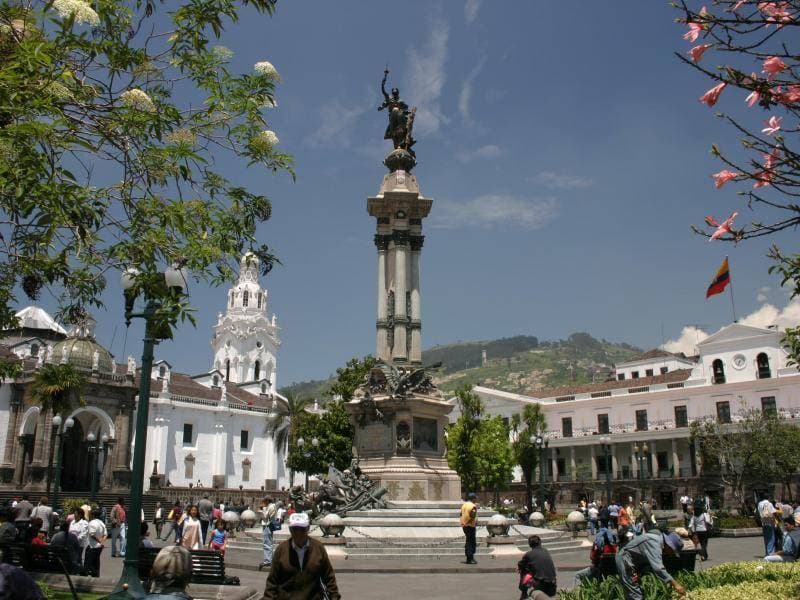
(206, 430)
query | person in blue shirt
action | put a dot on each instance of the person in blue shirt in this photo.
(790, 549)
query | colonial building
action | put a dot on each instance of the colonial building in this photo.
(631, 433)
(204, 430)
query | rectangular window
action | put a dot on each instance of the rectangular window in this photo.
(566, 427)
(621, 376)
(244, 440)
(602, 423)
(664, 370)
(187, 434)
(648, 373)
(641, 420)
(768, 407)
(724, 412)
(681, 417)
(562, 468)
(634, 374)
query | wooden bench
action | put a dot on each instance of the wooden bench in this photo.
(41, 559)
(674, 564)
(208, 566)
(14, 554)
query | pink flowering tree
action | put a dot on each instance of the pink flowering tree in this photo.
(750, 51)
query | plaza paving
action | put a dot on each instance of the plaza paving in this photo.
(450, 579)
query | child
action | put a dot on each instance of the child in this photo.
(219, 538)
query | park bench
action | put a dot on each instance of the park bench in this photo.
(674, 564)
(14, 553)
(41, 559)
(208, 566)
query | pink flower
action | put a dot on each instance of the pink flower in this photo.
(752, 98)
(694, 31)
(765, 177)
(712, 95)
(738, 5)
(773, 125)
(724, 177)
(790, 96)
(697, 52)
(773, 65)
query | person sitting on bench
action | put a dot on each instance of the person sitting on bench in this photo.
(171, 573)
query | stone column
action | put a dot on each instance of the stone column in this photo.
(122, 447)
(400, 351)
(614, 462)
(19, 468)
(416, 301)
(636, 463)
(652, 463)
(676, 463)
(593, 461)
(11, 434)
(555, 466)
(383, 351)
(572, 466)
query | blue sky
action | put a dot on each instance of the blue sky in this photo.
(564, 148)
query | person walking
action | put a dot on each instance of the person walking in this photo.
(613, 514)
(537, 570)
(158, 519)
(269, 512)
(206, 510)
(593, 516)
(469, 524)
(701, 525)
(118, 518)
(44, 512)
(301, 569)
(766, 514)
(97, 536)
(640, 555)
(191, 532)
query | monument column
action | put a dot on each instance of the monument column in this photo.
(400, 350)
(383, 350)
(415, 324)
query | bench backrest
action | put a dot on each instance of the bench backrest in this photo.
(47, 559)
(14, 553)
(147, 557)
(208, 566)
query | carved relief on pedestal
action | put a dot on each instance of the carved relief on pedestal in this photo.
(416, 491)
(403, 435)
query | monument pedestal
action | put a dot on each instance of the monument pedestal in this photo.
(400, 443)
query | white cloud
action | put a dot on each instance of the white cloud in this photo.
(687, 342)
(471, 9)
(426, 78)
(561, 181)
(762, 294)
(337, 121)
(496, 209)
(763, 317)
(488, 151)
(465, 97)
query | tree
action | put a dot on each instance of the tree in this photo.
(282, 425)
(495, 458)
(736, 452)
(461, 438)
(115, 117)
(57, 387)
(759, 44)
(334, 433)
(526, 427)
(784, 448)
(349, 377)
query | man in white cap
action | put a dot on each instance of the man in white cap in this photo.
(301, 569)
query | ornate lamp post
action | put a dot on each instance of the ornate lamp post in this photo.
(175, 279)
(94, 451)
(307, 454)
(605, 444)
(642, 462)
(541, 444)
(60, 433)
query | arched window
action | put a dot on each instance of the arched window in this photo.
(257, 371)
(258, 297)
(162, 371)
(34, 349)
(227, 369)
(215, 381)
(245, 298)
(762, 360)
(263, 388)
(718, 371)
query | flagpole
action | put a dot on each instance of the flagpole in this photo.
(730, 286)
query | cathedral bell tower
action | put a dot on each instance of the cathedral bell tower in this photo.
(245, 340)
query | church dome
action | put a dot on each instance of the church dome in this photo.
(80, 347)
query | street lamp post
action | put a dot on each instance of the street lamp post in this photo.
(307, 454)
(129, 585)
(641, 460)
(94, 451)
(60, 433)
(605, 442)
(541, 444)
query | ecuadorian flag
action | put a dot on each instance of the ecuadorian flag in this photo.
(721, 280)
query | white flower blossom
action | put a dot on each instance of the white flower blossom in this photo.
(59, 91)
(267, 69)
(182, 136)
(138, 100)
(80, 10)
(265, 141)
(270, 103)
(222, 54)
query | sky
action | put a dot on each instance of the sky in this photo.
(565, 151)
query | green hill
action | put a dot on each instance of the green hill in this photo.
(516, 364)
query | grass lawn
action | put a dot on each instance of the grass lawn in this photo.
(56, 595)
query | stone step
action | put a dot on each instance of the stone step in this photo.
(411, 513)
(370, 552)
(415, 504)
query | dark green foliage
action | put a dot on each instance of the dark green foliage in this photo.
(349, 377)
(335, 435)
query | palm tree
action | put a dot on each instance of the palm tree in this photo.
(282, 424)
(526, 427)
(55, 386)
